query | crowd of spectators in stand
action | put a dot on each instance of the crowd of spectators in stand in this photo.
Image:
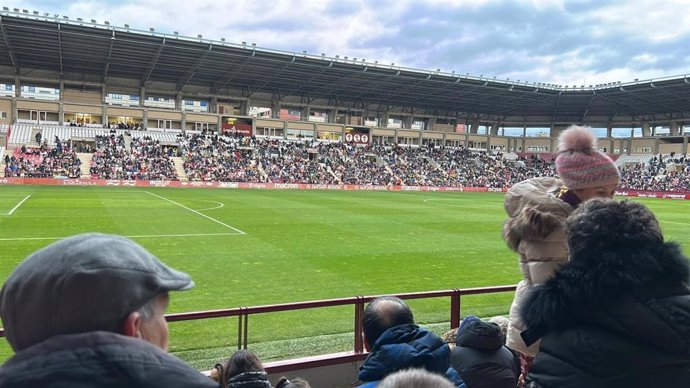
(213, 157)
(146, 159)
(219, 158)
(671, 173)
(249, 159)
(60, 161)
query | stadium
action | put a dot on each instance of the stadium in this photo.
(295, 187)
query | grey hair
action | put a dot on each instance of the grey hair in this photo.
(415, 378)
(146, 312)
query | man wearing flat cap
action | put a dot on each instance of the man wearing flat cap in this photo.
(89, 311)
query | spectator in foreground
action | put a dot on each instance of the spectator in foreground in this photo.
(415, 378)
(537, 209)
(618, 314)
(284, 382)
(480, 357)
(242, 370)
(396, 343)
(89, 311)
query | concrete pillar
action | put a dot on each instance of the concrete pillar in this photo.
(306, 112)
(383, 122)
(275, 108)
(17, 87)
(183, 124)
(674, 128)
(104, 109)
(213, 105)
(178, 101)
(430, 123)
(609, 129)
(142, 96)
(493, 130)
(145, 120)
(474, 126)
(646, 130)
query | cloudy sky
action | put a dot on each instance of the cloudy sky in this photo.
(562, 42)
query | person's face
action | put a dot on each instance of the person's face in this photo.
(155, 329)
(596, 192)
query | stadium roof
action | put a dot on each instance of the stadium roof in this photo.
(29, 42)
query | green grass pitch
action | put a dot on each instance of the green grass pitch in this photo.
(255, 247)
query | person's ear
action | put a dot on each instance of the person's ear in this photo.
(132, 324)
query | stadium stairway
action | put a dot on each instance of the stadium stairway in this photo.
(86, 159)
(179, 168)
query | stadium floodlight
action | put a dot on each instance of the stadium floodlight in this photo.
(126, 25)
(80, 19)
(5, 9)
(176, 33)
(35, 12)
(323, 54)
(222, 39)
(253, 44)
(151, 29)
(93, 21)
(199, 36)
(66, 17)
(25, 10)
(304, 51)
(244, 43)
(16, 10)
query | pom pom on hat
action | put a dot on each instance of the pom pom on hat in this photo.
(579, 164)
(577, 138)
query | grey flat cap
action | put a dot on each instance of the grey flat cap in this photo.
(83, 283)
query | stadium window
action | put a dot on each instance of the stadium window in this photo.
(203, 103)
(133, 97)
(9, 87)
(32, 89)
(3, 115)
(188, 102)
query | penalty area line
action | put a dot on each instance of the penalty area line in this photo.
(195, 212)
(132, 236)
(18, 205)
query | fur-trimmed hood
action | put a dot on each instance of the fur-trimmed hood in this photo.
(534, 210)
(587, 289)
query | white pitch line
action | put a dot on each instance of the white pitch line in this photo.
(677, 223)
(196, 212)
(133, 236)
(213, 208)
(18, 205)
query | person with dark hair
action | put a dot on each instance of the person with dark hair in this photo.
(618, 314)
(396, 343)
(537, 209)
(89, 311)
(242, 370)
(480, 357)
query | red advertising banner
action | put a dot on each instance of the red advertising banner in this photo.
(293, 186)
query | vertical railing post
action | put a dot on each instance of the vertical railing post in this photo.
(359, 309)
(239, 330)
(455, 309)
(246, 328)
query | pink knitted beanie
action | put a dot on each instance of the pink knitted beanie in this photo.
(579, 163)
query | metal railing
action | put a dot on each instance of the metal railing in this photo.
(358, 352)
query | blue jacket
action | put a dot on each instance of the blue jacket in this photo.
(407, 346)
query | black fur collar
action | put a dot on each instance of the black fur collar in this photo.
(598, 281)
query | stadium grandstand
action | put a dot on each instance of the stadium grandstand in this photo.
(77, 105)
